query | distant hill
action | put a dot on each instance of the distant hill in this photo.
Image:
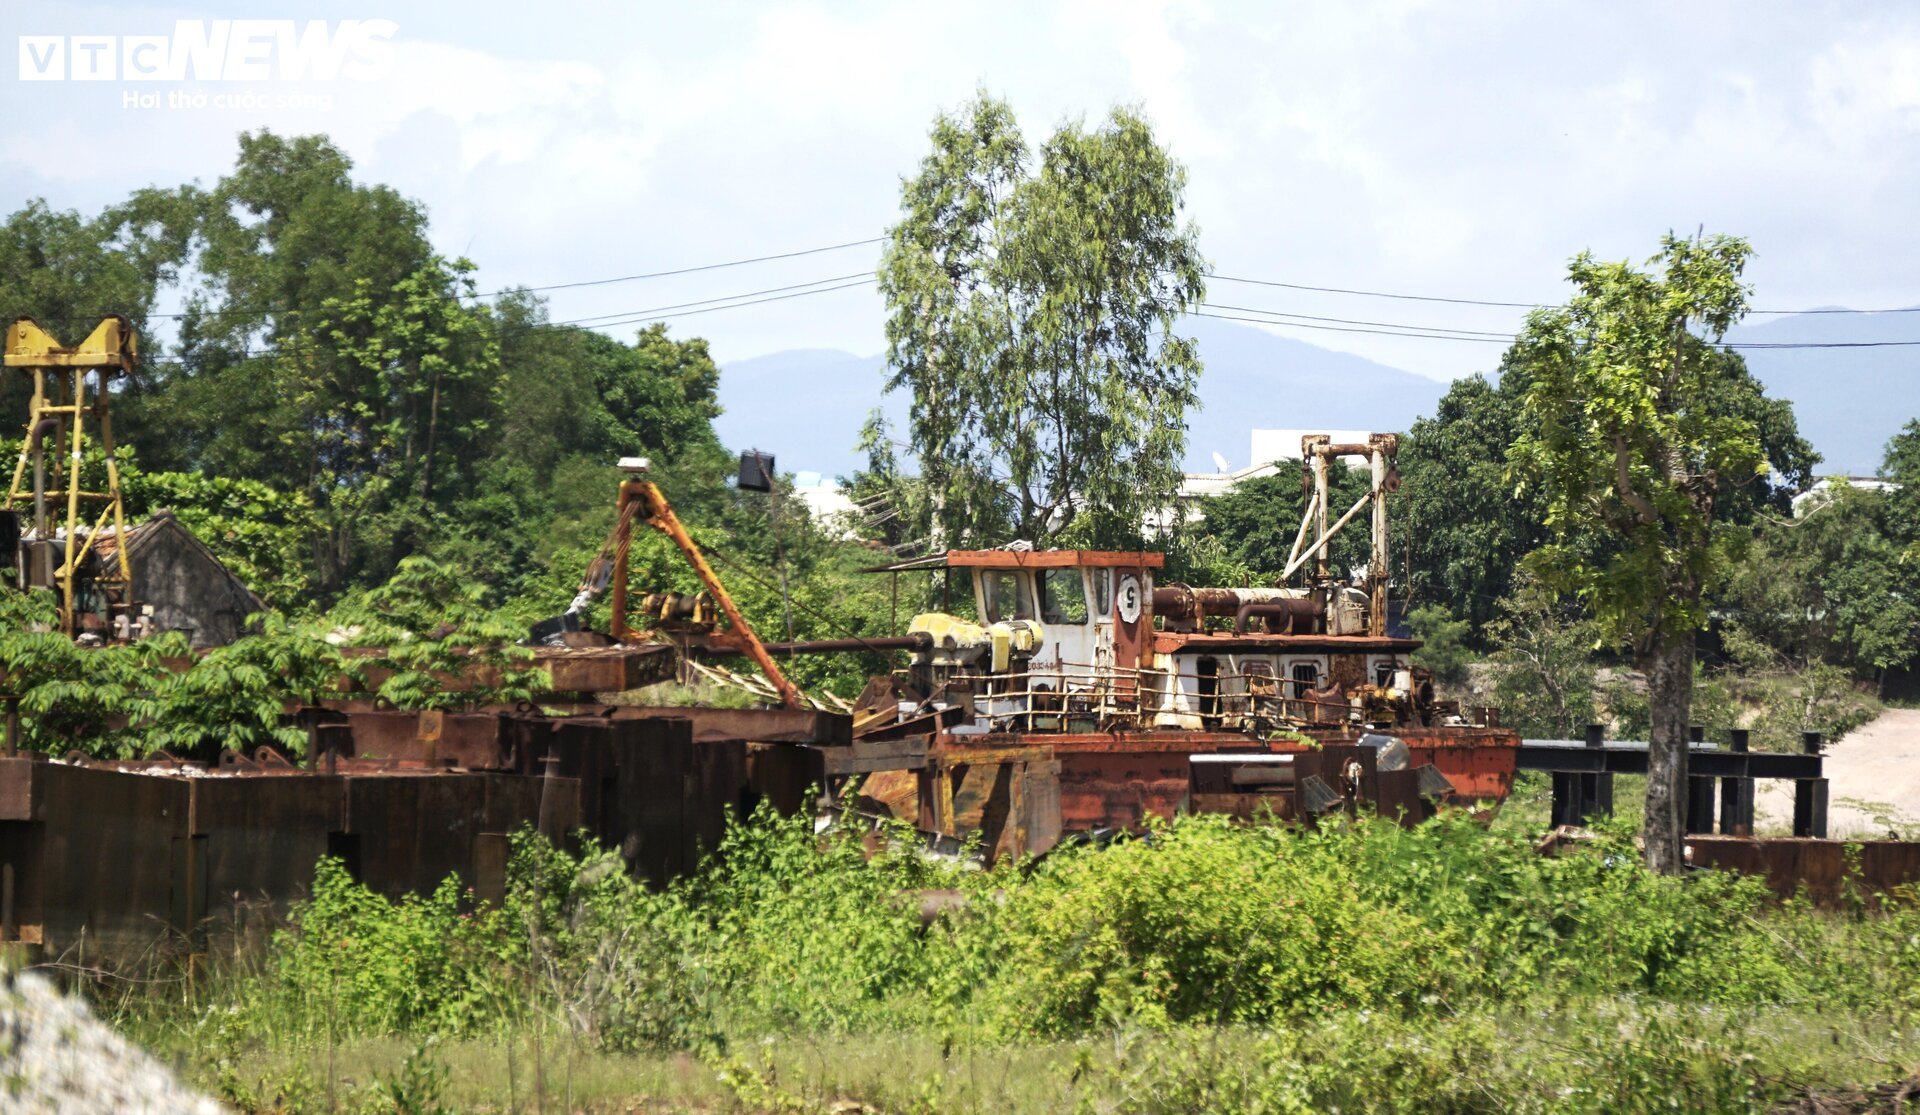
(1849, 401)
(806, 406)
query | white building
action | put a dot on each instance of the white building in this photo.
(1816, 497)
(826, 503)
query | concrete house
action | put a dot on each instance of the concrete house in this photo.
(187, 586)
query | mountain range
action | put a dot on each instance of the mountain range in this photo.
(806, 406)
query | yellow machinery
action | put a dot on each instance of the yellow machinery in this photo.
(59, 411)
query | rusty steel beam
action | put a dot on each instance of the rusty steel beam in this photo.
(754, 725)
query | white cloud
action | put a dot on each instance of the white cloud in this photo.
(1398, 145)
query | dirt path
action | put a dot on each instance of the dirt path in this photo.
(1873, 782)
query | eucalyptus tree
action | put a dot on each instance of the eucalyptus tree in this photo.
(1033, 299)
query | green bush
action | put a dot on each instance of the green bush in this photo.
(1358, 967)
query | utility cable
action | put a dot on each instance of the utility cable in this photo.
(244, 311)
(1502, 305)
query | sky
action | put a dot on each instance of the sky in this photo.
(1459, 150)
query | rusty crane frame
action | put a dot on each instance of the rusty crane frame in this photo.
(642, 500)
(1318, 451)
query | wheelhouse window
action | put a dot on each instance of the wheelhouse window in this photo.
(1004, 597)
(1103, 594)
(1063, 597)
(1306, 677)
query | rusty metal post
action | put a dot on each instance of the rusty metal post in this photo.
(1322, 566)
(1736, 794)
(622, 540)
(13, 726)
(1377, 560)
(6, 903)
(1810, 796)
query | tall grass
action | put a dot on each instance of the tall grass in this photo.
(1210, 965)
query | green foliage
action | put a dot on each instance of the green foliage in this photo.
(1032, 302)
(1624, 433)
(417, 1088)
(381, 966)
(1443, 643)
(427, 625)
(376, 410)
(1833, 585)
(1545, 657)
(1204, 922)
(1361, 967)
(1464, 527)
(233, 697)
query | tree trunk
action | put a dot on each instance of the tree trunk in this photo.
(433, 435)
(1670, 697)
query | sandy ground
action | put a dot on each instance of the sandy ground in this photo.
(1873, 783)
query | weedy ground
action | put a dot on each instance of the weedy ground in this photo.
(1205, 967)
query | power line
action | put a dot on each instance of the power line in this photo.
(1372, 293)
(650, 316)
(263, 312)
(691, 270)
(1233, 312)
(1498, 340)
(1350, 321)
(862, 275)
(1425, 333)
(1502, 305)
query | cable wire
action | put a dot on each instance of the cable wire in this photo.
(242, 311)
(1503, 305)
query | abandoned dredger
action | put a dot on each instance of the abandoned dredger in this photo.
(1075, 694)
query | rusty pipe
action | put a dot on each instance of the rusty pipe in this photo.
(1300, 616)
(1183, 602)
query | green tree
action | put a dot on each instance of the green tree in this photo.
(67, 271)
(1465, 529)
(1544, 652)
(1462, 527)
(1902, 466)
(1625, 435)
(1033, 300)
(1831, 585)
(1443, 643)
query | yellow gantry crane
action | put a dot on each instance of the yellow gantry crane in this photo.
(58, 412)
